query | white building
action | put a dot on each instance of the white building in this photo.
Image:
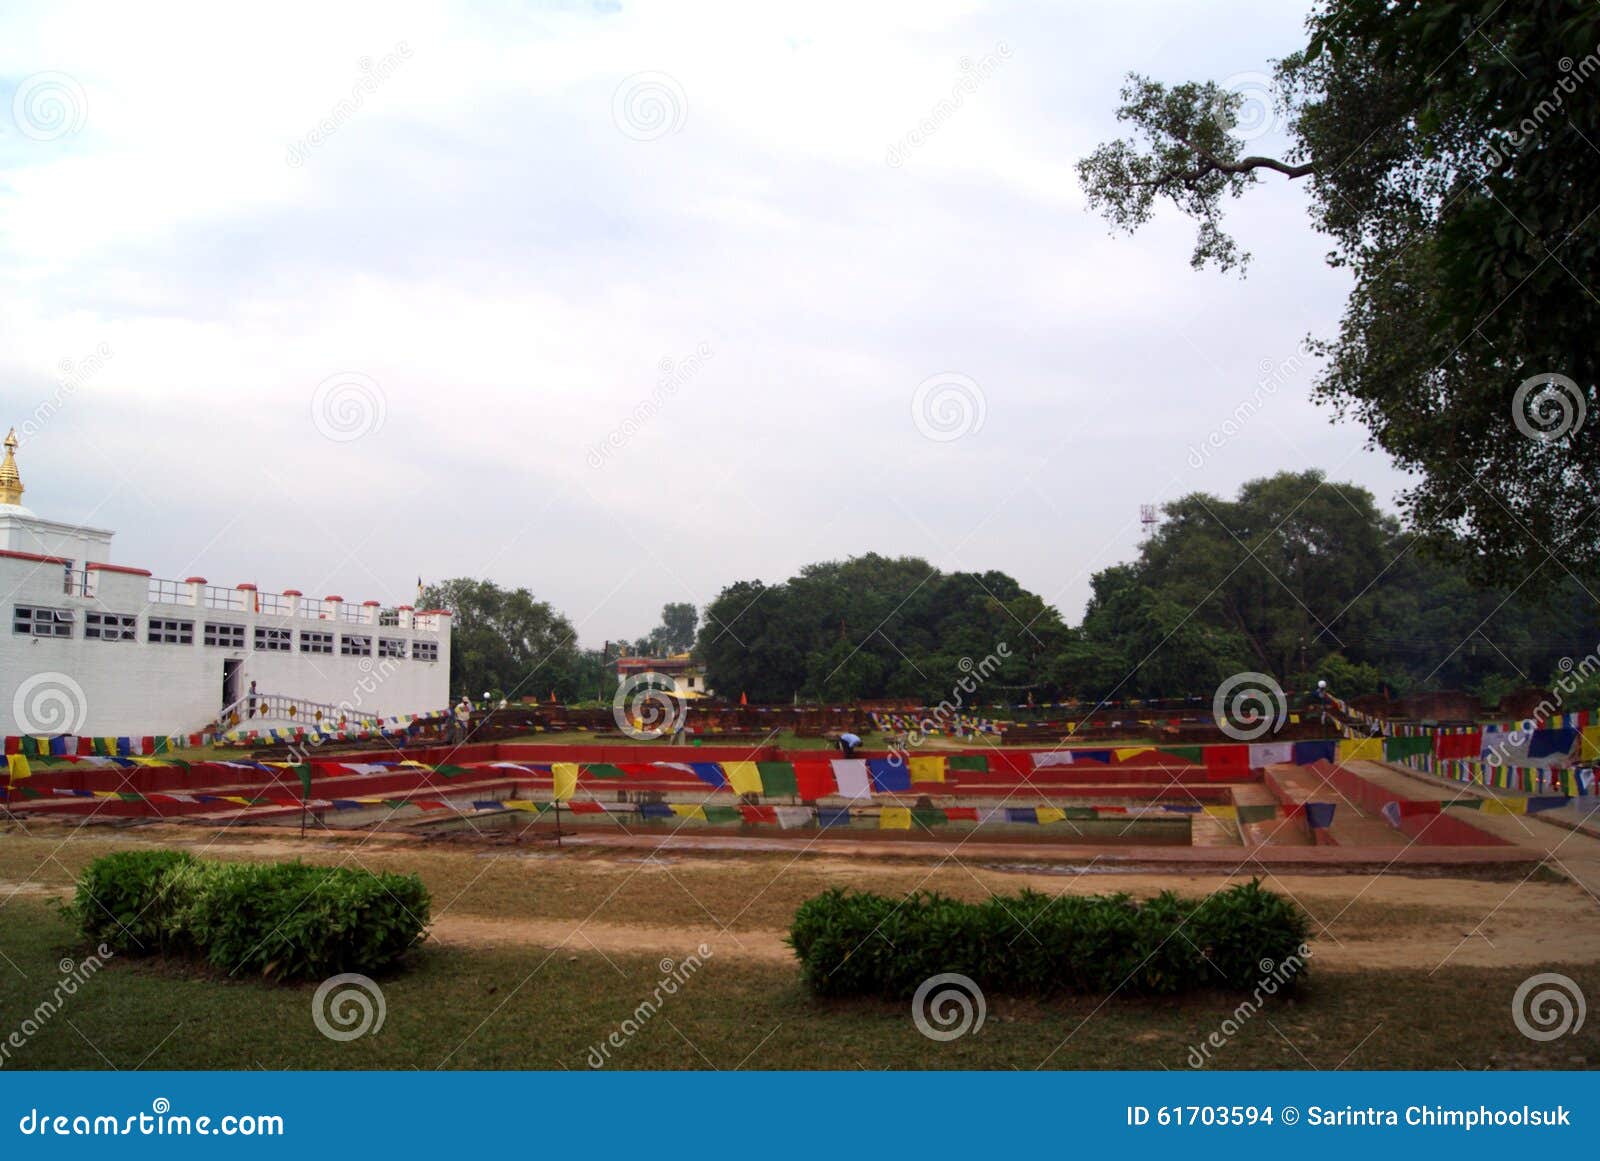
(102, 649)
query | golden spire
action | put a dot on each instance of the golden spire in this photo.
(11, 488)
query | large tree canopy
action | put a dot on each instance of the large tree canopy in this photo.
(1452, 151)
(1302, 578)
(876, 626)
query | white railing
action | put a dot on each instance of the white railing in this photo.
(221, 598)
(313, 609)
(301, 711)
(165, 592)
(79, 582)
(274, 603)
(353, 613)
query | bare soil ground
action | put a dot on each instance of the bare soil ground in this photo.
(593, 900)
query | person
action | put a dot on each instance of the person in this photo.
(848, 743)
(252, 698)
(463, 718)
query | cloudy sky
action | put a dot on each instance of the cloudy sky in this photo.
(624, 302)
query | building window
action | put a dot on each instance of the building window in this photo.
(315, 642)
(110, 627)
(274, 640)
(691, 682)
(166, 631)
(37, 622)
(391, 647)
(353, 646)
(224, 635)
(424, 650)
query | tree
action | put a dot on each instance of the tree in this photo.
(675, 634)
(506, 642)
(876, 626)
(1450, 150)
(1304, 578)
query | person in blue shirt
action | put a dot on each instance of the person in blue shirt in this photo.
(848, 743)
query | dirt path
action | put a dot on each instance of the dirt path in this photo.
(1514, 941)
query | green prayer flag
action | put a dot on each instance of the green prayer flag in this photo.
(777, 778)
(1195, 754)
(450, 771)
(1257, 813)
(304, 771)
(929, 817)
(602, 770)
(719, 814)
(974, 763)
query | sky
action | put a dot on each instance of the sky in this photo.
(626, 302)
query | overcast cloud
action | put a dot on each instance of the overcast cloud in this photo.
(626, 339)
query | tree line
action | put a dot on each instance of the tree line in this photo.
(1296, 576)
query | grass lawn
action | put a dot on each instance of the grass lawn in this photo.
(532, 1008)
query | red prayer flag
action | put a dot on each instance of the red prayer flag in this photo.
(814, 779)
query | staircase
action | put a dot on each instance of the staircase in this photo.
(254, 711)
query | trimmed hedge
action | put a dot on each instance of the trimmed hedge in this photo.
(853, 943)
(282, 920)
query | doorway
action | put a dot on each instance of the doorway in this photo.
(230, 681)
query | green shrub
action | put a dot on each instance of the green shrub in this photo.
(284, 920)
(120, 900)
(857, 943)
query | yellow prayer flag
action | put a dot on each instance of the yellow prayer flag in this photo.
(1589, 744)
(744, 777)
(689, 810)
(1360, 749)
(1123, 753)
(520, 804)
(1504, 806)
(927, 769)
(1223, 811)
(1050, 813)
(894, 818)
(17, 767)
(566, 779)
